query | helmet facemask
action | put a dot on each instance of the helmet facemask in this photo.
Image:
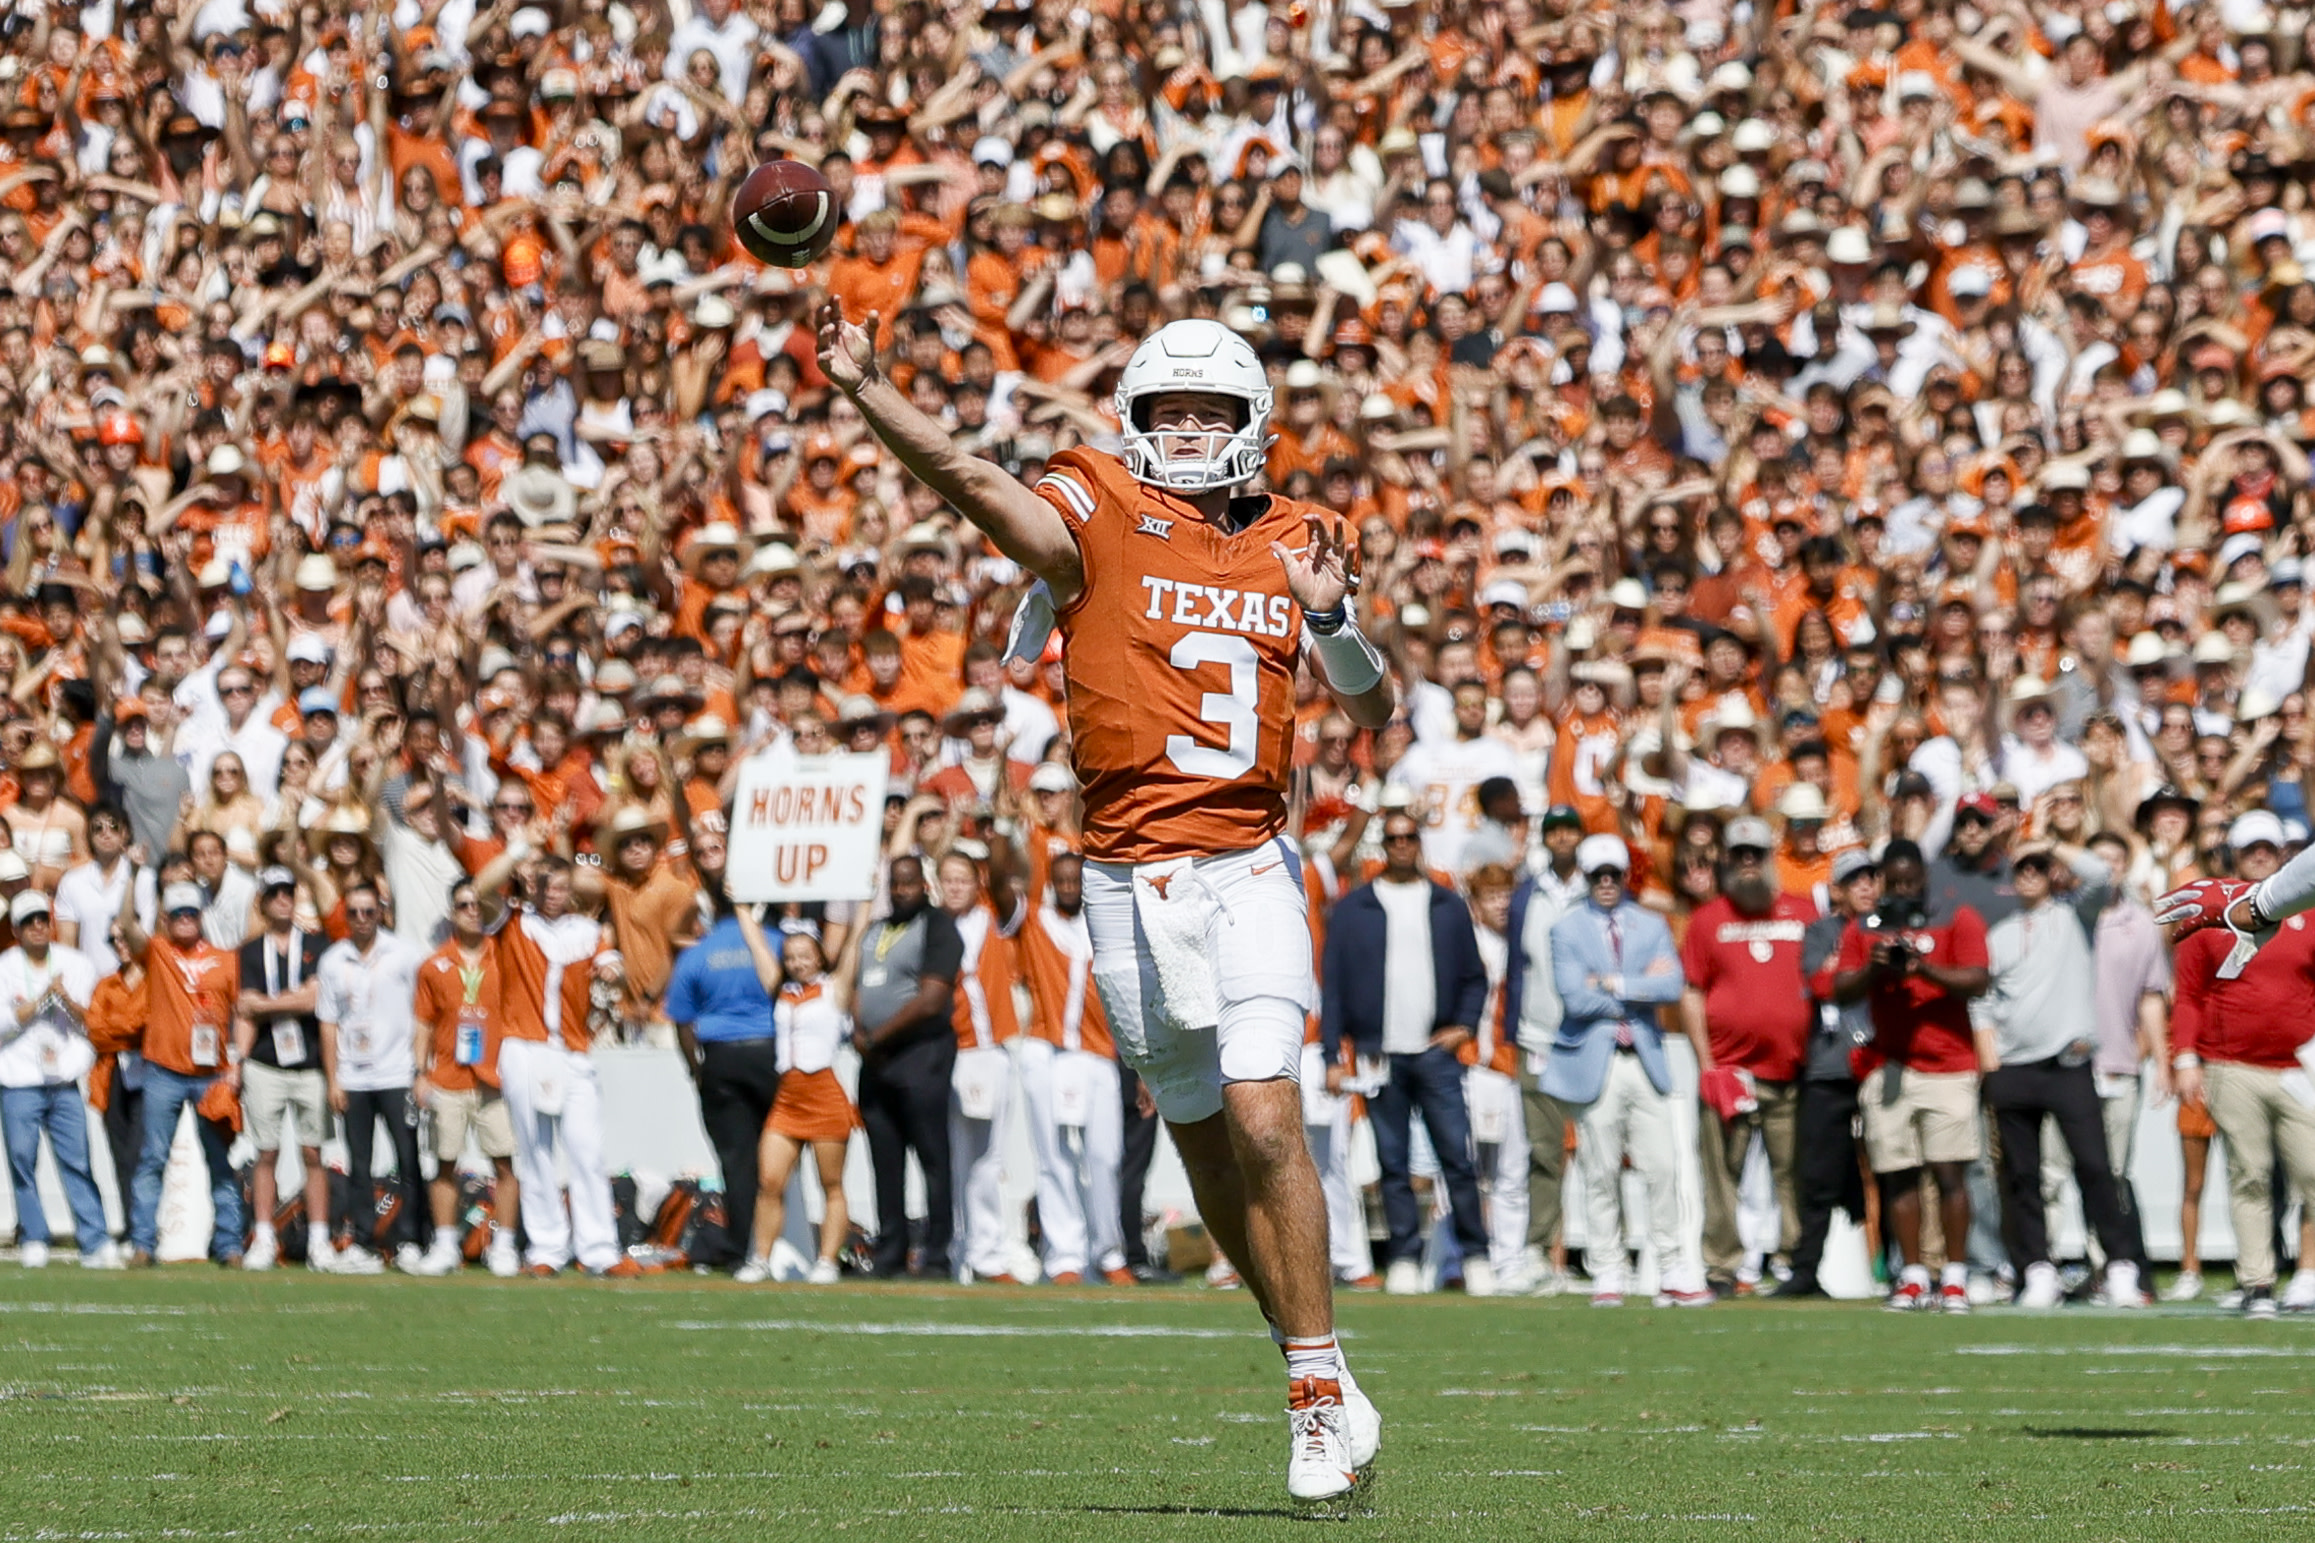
(1231, 456)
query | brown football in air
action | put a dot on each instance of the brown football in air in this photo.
(785, 214)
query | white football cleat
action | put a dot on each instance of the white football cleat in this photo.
(1478, 1278)
(31, 1255)
(105, 1256)
(2122, 1288)
(1362, 1422)
(410, 1259)
(824, 1272)
(753, 1272)
(263, 1253)
(2299, 1296)
(503, 1261)
(1404, 1278)
(2187, 1288)
(1318, 1465)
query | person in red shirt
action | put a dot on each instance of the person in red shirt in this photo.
(2235, 1046)
(194, 987)
(1917, 969)
(1748, 1014)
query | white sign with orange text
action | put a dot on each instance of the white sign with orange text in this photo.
(806, 827)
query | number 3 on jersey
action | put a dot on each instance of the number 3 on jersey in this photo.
(1237, 710)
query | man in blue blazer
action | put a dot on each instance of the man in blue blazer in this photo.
(1615, 967)
(1403, 981)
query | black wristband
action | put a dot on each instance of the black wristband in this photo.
(1327, 623)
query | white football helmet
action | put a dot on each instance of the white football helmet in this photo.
(1201, 356)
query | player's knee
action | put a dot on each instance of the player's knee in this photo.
(1266, 1124)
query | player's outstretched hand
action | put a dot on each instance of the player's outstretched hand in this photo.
(1324, 571)
(2204, 903)
(847, 352)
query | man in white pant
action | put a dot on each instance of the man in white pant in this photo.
(546, 956)
(1069, 1087)
(1615, 969)
(988, 1038)
(1491, 1087)
(1327, 1124)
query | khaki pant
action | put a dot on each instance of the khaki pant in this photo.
(1546, 1119)
(2260, 1121)
(1722, 1148)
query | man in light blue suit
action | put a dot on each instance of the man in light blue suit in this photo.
(1615, 966)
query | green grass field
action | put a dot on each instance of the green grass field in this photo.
(186, 1404)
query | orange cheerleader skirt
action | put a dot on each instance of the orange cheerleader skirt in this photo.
(2193, 1119)
(811, 1106)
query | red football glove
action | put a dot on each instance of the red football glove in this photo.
(2204, 903)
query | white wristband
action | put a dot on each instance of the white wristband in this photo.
(2185, 1061)
(1353, 665)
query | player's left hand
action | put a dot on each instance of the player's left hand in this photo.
(2203, 903)
(1323, 573)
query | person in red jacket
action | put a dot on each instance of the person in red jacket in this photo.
(1748, 1013)
(1917, 969)
(2236, 1045)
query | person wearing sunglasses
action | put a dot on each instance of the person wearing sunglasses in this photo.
(1615, 968)
(367, 986)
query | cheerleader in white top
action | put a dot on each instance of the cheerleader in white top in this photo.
(812, 1013)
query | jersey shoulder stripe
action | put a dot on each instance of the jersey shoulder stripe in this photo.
(1070, 491)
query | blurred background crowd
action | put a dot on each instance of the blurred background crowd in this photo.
(1876, 425)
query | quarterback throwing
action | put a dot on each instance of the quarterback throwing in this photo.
(1186, 605)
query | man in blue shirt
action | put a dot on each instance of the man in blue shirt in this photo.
(1615, 968)
(723, 1017)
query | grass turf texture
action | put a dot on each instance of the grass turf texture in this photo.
(188, 1404)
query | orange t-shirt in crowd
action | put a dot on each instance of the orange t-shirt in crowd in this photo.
(450, 992)
(189, 1016)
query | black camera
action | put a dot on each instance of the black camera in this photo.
(1888, 930)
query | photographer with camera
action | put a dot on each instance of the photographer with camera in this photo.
(2041, 1011)
(1917, 969)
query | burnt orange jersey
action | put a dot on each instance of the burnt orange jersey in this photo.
(1181, 653)
(543, 969)
(1056, 957)
(984, 1015)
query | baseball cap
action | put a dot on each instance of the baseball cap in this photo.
(1750, 831)
(180, 897)
(317, 699)
(27, 905)
(1603, 851)
(1980, 804)
(1848, 864)
(2251, 829)
(1562, 814)
(308, 648)
(1051, 777)
(275, 877)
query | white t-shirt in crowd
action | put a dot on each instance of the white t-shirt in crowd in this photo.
(51, 1048)
(1410, 989)
(369, 997)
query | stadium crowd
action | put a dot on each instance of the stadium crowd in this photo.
(1833, 485)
